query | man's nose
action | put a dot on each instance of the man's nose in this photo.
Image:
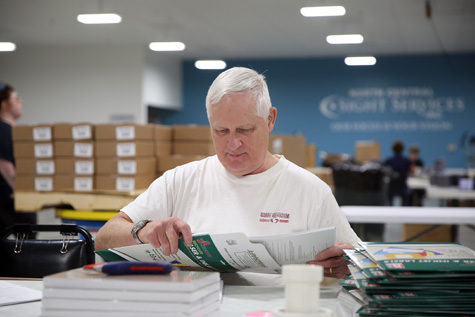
(234, 142)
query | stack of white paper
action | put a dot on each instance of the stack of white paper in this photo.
(82, 292)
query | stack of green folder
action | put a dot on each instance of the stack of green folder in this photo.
(412, 279)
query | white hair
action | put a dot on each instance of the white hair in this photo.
(240, 80)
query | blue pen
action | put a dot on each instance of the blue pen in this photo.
(126, 267)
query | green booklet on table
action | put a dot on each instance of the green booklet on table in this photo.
(441, 257)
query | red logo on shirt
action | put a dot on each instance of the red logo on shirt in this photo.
(274, 217)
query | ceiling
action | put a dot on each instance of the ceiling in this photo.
(246, 28)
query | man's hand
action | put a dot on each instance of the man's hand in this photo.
(165, 233)
(332, 260)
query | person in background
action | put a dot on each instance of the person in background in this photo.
(416, 196)
(400, 168)
(237, 189)
(11, 108)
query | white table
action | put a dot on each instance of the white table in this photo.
(420, 215)
(236, 301)
(433, 215)
(438, 192)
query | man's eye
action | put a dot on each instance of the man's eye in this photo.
(245, 131)
(222, 132)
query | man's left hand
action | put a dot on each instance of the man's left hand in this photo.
(333, 261)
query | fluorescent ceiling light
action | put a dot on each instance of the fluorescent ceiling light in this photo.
(360, 61)
(166, 46)
(210, 64)
(345, 39)
(105, 18)
(7, 46)
(323, 11)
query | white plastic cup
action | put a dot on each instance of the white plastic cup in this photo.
(302, 288)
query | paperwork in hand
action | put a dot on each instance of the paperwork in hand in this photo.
(231, 252)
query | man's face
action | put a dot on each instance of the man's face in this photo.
(240, 136)
(14, 105)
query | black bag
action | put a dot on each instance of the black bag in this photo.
(32, 258)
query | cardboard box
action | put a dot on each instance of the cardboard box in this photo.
(163, 133)
(168, 162)
(324, 173)
(124, 183)
(73, 131)
(193, 148)
(367, 151)
(37, 133)
(124, 149)
(311, 155)
(143, 165)
(441, 234)
(66, 182)
(84, 149)
(31, 166)
(121, 132)
(33, 149)
(293, 147)
(192, 132)
(34, 183)
(75, 166)
(163, 148)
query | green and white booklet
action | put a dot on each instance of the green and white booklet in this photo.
(231, 252)
(445, 257)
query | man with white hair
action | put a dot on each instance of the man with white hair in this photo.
(235, 189)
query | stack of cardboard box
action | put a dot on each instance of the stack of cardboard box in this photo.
(293, 147)
(54, 157)
(125, 156)
(190, 143)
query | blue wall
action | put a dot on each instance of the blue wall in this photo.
(426, 100)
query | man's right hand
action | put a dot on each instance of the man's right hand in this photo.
(165, 233)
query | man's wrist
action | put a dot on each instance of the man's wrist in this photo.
(137, 227)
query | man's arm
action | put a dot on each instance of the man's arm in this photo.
(162, 233)
(7, 170)
(333, 261)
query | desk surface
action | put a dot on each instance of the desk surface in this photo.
(438, 192)
(432, 215)
(237, 300)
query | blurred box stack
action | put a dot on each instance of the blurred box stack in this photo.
(190, 143)
(125, 156)
(293, 147)
(367, 151)
(34, 157)
(73, 156)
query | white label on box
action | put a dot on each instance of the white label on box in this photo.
(81, 132)
(126, 149)
(42, 134)
(44, 150)
(125, 184)
(82, 183)
(43, 183)
(84, 167)
(127, 167)
(125, 133)
(45, 167)
(83, 150)
(277, 146)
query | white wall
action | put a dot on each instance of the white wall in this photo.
(77, 84)
(163, 79)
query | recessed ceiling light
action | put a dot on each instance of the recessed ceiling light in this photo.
(360, 61)
(210, 64)
(166, 46)
(7, 46)
(103, 18)
(326, 11)
(345, 39)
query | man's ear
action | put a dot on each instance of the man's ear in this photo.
(271, 118)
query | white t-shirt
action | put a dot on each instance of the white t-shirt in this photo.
(284, 199)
